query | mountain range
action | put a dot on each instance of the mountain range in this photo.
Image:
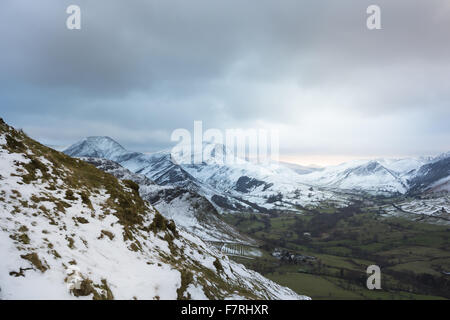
(240, 184)
(380, 176)
(179, 188)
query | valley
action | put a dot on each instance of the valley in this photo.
(414, 257)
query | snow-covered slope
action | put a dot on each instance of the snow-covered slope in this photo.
(405, 167)
(369, 176)
(433, 176)
(265, 187)
(188, 209)
(231, 187)
(380, 176)
(69, 230)
(99, 147)
(245, 186)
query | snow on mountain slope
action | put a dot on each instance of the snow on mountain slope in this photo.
(158, 166)
(381, 176)
(385, 176)
(405, 167)
(69, 230)
(358, 175)
(433, 176)
(441, 185)
(120, 172)
(98, 147)
(441, 156)
(188, 209)
(245, 186)
(300, 169)
(231, 187)
(161, 168)
(266, 187)
(195, 213)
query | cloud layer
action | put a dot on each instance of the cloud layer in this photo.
(138, 70)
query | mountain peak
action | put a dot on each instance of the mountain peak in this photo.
(102, 140)
(367, 168)
(96, 147)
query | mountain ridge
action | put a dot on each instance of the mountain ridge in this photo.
(222, 184)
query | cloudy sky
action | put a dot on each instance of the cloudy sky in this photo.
(137, 70)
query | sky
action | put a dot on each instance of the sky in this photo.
(138, 70)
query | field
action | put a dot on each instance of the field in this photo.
(414, 257)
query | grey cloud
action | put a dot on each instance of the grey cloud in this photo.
(144, 68)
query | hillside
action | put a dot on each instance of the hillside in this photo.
(433, 176)
(187, 208)
(360, 175)
(69, 230)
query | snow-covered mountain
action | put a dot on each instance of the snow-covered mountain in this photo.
(69, 230)
(433, 176)
(428, 197)
(230, 187)
(189, 209)
(380, 176)
(370, 176)
(245, 186)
